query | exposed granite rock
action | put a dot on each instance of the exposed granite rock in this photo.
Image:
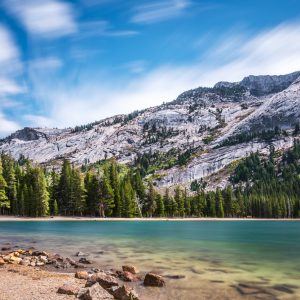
(106, 281)
(95, 292)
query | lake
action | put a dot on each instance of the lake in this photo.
(219, 259)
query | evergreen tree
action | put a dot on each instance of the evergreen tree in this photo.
(219, 204)
(151, 200)
(106, 203)
(4, 203)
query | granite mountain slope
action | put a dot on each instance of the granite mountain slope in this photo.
(200, 125)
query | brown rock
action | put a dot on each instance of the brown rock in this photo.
(127, 276)
(5, 248)
(131, 269)
(106, 281)
(68, 289)
(2, 262)
(84, 260)
(82, 275)
(125, 293)
(38, 253)
(95, 292)
(154, 280)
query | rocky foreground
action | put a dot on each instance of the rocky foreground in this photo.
(84, 282)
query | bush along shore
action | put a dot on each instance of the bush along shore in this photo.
(92, 283)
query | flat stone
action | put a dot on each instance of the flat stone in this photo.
(152, 279)
(95, 292)
(68, 289)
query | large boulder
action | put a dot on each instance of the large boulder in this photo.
(152, 279)
(95, 292)
(106, 281)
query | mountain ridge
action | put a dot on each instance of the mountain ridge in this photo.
(197, 125)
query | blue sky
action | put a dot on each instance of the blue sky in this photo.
(64, 63)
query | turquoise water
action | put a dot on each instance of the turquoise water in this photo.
(227, 252)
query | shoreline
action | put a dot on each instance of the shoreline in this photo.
(65, 218)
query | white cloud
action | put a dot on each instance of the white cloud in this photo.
(9, 87)
(7, 126)
(8, 49)
(47, 63)
(46, 18)
(38, 121)
(159, 11)
(103, 28)
(90, 98)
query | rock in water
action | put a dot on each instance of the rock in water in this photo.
(127, 276)
(68, 289)
(152, 279)
(79, 253)
(95, 292)
(131, 269)
(84, 260)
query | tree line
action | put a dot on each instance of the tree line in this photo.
(260, 187)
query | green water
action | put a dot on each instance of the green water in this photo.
(223, 252)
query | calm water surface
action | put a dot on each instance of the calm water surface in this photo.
(213, 255)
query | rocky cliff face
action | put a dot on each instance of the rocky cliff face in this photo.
(198, 121)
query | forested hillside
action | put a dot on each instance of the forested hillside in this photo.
(266, 187)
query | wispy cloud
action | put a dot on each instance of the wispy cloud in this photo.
(47, 18)
(275, 51)
(7, 126)
(10, 68)
(47, 63)
(103, 28)
(159, 11)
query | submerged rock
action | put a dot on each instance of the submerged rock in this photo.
(152, 279)
(79, 253)
(127, 276)
(95, 292)
(174, 276)
(84, 260)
